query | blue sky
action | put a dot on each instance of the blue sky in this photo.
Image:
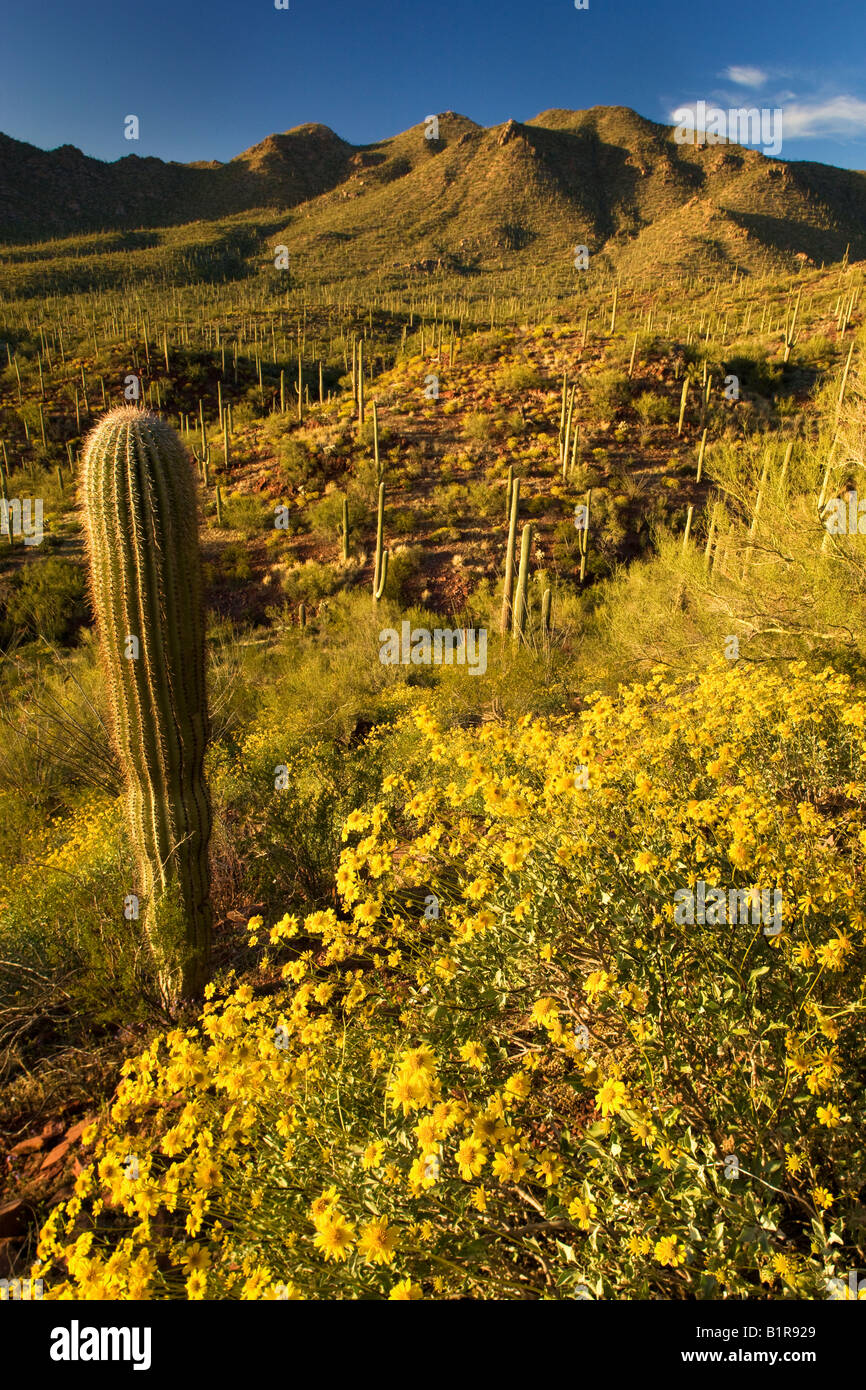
(209, 78)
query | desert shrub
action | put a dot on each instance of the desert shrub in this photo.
(478, 426)
(403, 564)
(403, 521)
(608, 391)
(755, 372)
(452, 502)
(47, 599)
(365, 434)
(69, 960)
(296, 465)
(232, 566)
(326, 515)
(529, 957)
(310, 582)
(482, 500)
(654, 409)
(482, 347)
(517, 377)
(815, 350)
(246, 513)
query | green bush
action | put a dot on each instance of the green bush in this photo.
(609, 391)
(654, 409)
(246, 513)
(47, 599)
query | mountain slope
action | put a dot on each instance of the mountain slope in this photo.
(605, 177)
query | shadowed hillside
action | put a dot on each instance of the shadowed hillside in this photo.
(604, 177)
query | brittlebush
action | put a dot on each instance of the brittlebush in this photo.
(503, 1068)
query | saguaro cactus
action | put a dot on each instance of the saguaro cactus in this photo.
(583, 535)
(376, 443)
(380, 566)
(521, 605)
(545, 613)
(508, 584)
(141, 518)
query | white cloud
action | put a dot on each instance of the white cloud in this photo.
(842, 116)
(838, 116)
(745, 77)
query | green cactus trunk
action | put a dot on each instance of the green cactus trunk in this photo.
(141, 515)
(583, 537)
(521, 606)
(376, 443)
(380, 569)
(508, 584)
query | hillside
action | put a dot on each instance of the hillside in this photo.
(517, 192)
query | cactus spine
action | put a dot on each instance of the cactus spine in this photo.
(142, 529)
(518, 622)
(509, 557)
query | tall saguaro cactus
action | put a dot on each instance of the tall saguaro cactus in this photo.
(508, 583)
(142, 527)
(380, 564)
(521, 605)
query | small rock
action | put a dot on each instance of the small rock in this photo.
(57, 1154)
(27, 1146)
(74, 1133)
